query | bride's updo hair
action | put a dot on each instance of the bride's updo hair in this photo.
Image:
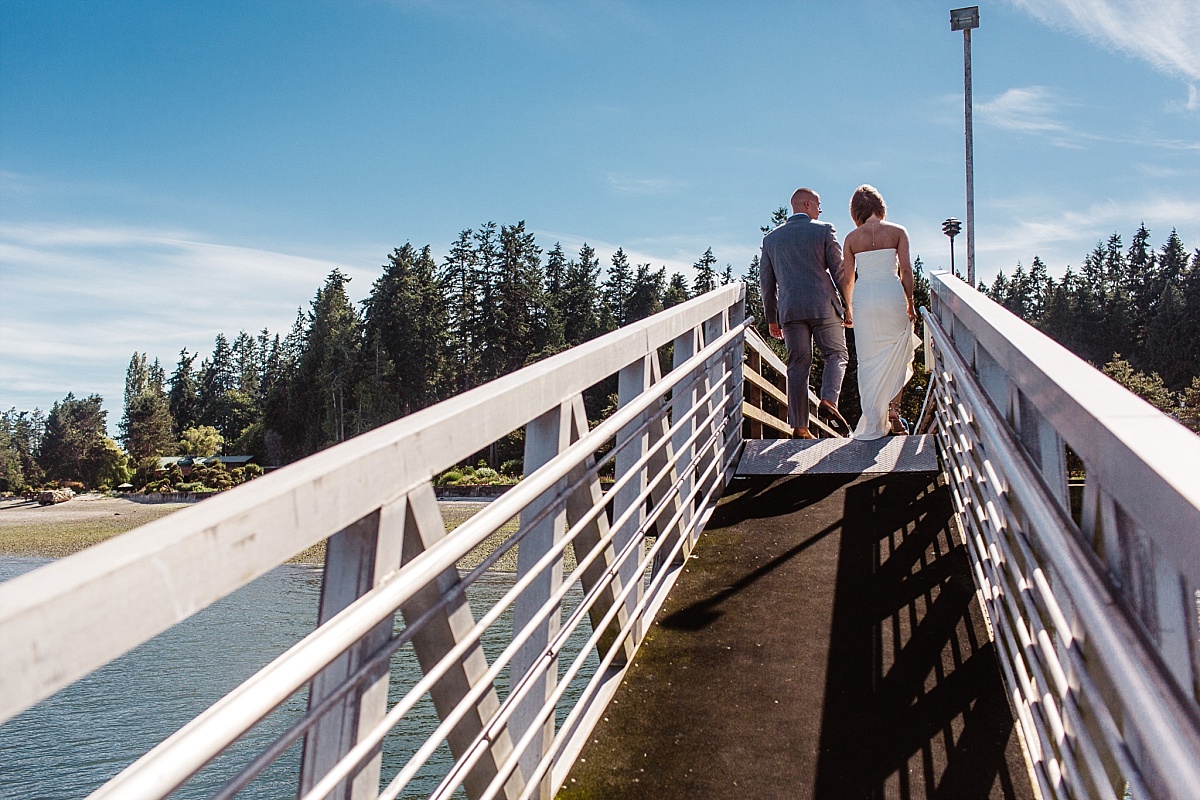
(866, 201)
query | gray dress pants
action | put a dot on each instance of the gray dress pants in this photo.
(830, 336)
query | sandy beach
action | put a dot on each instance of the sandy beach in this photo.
(27, 529)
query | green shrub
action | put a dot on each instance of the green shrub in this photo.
(449, 478)
(486, 475)
(253, 471)
(189, 486)
(512, 468)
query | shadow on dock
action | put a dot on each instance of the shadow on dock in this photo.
(825, 643)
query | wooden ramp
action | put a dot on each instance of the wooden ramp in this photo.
(824, 642)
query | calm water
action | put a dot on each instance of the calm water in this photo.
(71, 743)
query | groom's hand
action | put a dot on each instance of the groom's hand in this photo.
(776, 331)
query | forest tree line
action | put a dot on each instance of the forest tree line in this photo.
(1132, 312)
(497, 302)
(426, 331)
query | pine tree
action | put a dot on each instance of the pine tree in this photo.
(677, 291)
(146, 425)
(327, 365)
(20, 437)
(581, 296)
(706, 274)
(75, 446)
(1164, 333)
(183, 400)
(460, 282)
(556, 278)
(519, 318)
(617, 287)
(645, 293)
(404, 358)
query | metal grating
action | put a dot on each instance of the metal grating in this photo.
(838, 456)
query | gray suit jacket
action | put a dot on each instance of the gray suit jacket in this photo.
(801, 262)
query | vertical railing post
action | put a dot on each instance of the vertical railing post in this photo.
(356, 559)
(632, 381)
(545, 437)
(683, 407)
(711, 452)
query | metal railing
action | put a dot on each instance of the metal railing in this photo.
(671, 446)
(765, 375)
(1094, 610)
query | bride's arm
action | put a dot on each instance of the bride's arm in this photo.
(846, 287)
(906, 273)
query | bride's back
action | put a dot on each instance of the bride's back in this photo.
(875, 234)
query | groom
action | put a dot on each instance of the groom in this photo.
(801, 263)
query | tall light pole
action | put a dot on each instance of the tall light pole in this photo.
(951, 227)
(964, 19)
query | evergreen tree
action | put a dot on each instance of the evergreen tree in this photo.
(487, 271)
(460, 282)
(754, 301)
(1148, 387)
(75, 446)
(556, 280)
(218, 376)
(183, 400)
(326, 371)
(519, 324)
(645, 293)
(677, 291)
(778, 217)
(581, 296)
(706, 274)
(404, 358)
(618, 285)
(20, 438)
(1167, 329)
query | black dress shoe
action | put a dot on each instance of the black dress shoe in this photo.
(833, 418)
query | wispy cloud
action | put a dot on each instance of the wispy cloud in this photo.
(1029, 109)
(628, 184)
(81, 299)
(1164, 33)
(1040, 226)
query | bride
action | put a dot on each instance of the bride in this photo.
(879, 306)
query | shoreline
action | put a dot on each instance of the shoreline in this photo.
(57, 531)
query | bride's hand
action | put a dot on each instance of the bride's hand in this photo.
(912, 312)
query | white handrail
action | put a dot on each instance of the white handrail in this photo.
(670, 471)
(1103, 681)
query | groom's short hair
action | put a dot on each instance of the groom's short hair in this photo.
(799, 196)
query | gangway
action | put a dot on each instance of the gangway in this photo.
(1092, 607)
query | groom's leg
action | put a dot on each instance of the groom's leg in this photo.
(797, 336)
(831, 341)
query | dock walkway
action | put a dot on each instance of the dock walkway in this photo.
(868, 673)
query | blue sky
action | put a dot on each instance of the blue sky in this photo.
(169, 171)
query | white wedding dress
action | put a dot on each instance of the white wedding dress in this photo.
(883, 338)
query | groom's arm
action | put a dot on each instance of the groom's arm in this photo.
(769, 291)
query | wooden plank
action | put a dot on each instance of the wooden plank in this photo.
(762, 384)
(770, 420)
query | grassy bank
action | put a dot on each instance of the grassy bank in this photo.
(27, 529)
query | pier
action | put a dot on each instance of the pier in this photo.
(736, 614)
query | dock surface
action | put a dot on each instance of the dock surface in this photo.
(824, 641)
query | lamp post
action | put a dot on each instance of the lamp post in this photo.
(951, 227)
(965, 19)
